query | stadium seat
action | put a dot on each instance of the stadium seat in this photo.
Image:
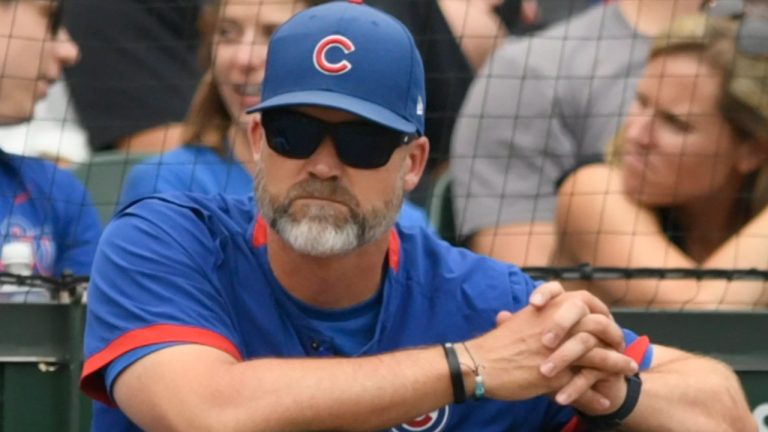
(103, 176)
(441, 209)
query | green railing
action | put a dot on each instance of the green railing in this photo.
(41, 358)
(40, 362)
(737, 338)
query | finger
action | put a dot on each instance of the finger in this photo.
(566, 317)
(544, 293)
(607, 361)
(592, 401)
(578, 386)
(594, 304)
(604, 329)
(503, 317)
(566, 354)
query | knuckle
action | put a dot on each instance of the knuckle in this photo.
(586, 339)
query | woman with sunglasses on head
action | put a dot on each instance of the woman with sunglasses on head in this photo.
(686, 179)
(46, 217)
(217, 157)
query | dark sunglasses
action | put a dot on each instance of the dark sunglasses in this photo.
(359, 144)
(752, 38)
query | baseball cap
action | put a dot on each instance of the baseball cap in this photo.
(347, 56)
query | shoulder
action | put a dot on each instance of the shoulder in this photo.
(52, 180)
(183, 156)
(232, 213)
(431, 262)
(173, 170)
(593, 178)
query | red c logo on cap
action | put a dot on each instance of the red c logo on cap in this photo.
(322, 64)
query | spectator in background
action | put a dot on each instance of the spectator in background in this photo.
(687, 179)
(138, 72)
(454, 38)
(542, 104)
(39, 203)
(216, 156)
(53, 132)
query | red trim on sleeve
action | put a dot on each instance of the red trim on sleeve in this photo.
(92, 383)
(575, 425)
(636, 351)
(259, 233)
(394, 250)
(21, 198)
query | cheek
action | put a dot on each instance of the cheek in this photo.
(22, 59)
(375, 189)
(220, 62)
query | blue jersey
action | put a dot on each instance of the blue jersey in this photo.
(192, 269)
(49, 208)
(198, 169)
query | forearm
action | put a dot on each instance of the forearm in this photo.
(340, 394)
(282, 394)
(688, 394)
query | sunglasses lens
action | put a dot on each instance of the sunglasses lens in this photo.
(359, 144)
(366, 145)
(291, 134)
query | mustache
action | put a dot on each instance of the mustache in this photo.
(330, 190)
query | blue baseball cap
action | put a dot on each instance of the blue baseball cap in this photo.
(351, 57)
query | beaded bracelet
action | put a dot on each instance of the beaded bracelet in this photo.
(476, 368)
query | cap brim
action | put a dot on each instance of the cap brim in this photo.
(340, 102)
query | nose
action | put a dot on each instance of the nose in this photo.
(324, 162)
(66, 50)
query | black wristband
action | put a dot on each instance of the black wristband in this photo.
(615, 419)
(457, 378)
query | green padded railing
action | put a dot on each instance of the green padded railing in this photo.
(41, 358)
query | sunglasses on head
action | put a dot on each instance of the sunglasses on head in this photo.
(359, 144)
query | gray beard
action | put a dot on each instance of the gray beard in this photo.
(322, 230)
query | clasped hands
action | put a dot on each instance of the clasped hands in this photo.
(565, 345)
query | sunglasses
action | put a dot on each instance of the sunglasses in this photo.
(752, 38)
(359, 144)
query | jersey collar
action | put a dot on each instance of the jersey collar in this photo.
(259, 239)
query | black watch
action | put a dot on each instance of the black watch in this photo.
(615, 419)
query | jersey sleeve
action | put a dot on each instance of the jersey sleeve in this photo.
(154, 283)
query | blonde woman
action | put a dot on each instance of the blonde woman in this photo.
(685, 181)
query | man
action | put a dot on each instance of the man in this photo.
(318, 314)
(541, 106)
(42, 208)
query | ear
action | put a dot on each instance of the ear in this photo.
(415, 162)
(751, 155)
(256, 134)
